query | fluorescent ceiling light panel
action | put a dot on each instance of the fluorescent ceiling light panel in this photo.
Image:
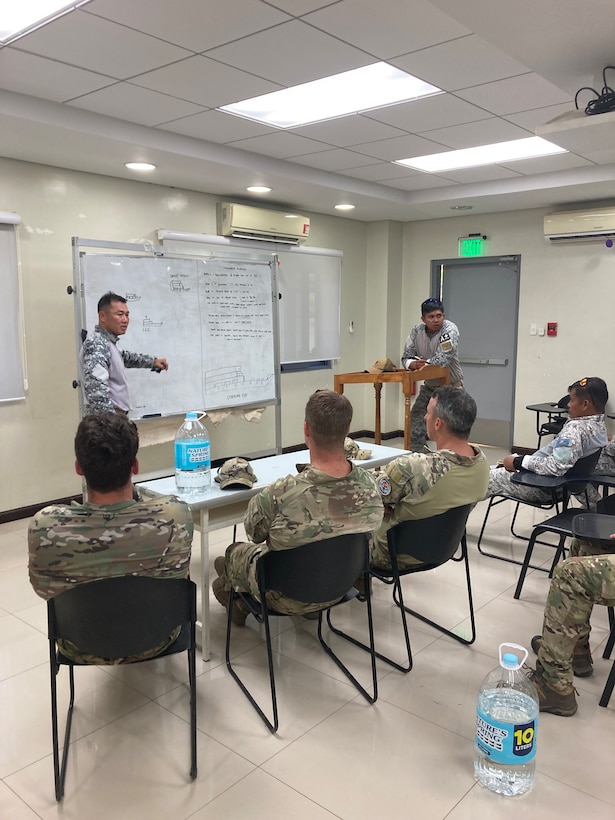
(483, 155)
(361, 89)
(23, 15)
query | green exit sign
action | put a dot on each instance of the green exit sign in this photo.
(472, 245)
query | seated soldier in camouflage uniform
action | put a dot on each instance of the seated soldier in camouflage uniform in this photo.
(111, 534)
(329, 497)
(579, 582)
(582, 435)
(420, 485)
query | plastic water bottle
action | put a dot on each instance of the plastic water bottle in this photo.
(506, 724)
(192, 457)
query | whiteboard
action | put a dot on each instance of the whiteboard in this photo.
(11, 372)
(213, 319)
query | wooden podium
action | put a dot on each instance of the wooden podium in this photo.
(407, 378)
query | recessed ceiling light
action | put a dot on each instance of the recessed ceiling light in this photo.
(483, 155)
(461, 207)
(258, 189)
(362, 89)
(344, 207)
(140, 166)
(16, 19)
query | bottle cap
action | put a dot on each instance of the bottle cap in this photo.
(510, 661)
(192, 415)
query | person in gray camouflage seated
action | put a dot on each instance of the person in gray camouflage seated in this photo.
(421, 485)
(329, 497)
(582, 435)
(111, 534)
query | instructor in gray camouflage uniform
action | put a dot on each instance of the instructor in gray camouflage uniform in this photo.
(330, 496)
(110, 535)
(433, 341)
(582, 435)
(420, 485)
(579, 582)
(101, 364)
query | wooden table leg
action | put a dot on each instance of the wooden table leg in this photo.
(407, 419)
(378, 389)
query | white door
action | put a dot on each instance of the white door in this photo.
(481, 296)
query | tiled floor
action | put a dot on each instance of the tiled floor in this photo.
(334, 756)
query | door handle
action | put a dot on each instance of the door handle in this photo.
(499, 362)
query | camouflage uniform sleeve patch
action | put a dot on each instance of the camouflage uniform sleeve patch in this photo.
(384, 485)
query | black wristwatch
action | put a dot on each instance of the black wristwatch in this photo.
(517, 462)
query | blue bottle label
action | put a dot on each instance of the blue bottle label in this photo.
(506, 743)
(192, 454)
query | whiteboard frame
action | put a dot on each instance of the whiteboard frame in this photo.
(81, 246)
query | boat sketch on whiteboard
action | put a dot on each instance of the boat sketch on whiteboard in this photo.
(176, 286)
(148, 324)
(132, 297)
(232, 378)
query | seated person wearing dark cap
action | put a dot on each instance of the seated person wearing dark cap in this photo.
(111, 534)
(582, 435)
(331, 496)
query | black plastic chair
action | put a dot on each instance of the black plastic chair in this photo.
(433, 541)
(561, 525)
(318, 572)
(116, 618)
(557, 486)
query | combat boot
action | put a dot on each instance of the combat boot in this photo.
(556, 703)
(223, 596)
(582, 664)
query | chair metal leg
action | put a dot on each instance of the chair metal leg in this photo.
(264, 619)
(401, 667)
(611, 639)
(59, 767)
(371, 648)
(608, 689)
(400, 603)
(192, 683)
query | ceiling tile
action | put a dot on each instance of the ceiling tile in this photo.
(381, 171)
(344, 131)
(216, 126)
(398, 148)
(545, 165)
(387, 29)
(86, 41)
(470, 134)
(482, 174)
(292, 54)
(184, 23)
(429, 113)
(39, 77)
(204, 81)
(514, 94)
(281, 144)
(128, 102)
(334, 160)
(460, 63)
(538, 116)
(420, 183)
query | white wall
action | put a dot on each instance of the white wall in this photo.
(385, 277)
(571, 284)
(36, 435)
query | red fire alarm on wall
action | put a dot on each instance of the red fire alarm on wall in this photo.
(551, 328)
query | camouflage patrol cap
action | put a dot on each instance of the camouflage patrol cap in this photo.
(352, 450)
(236, 472)
(382, 366)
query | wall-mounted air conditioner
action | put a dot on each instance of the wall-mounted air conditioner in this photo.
(246, 222)
(580, 226)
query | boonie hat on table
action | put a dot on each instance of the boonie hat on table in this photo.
(382, 366)
(236, 472)
(352, 450)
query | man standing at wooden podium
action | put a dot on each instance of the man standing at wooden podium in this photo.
(434, 341)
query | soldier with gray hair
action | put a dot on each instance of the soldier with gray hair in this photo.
(111, 534)
(330, 496)
(420, 485)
